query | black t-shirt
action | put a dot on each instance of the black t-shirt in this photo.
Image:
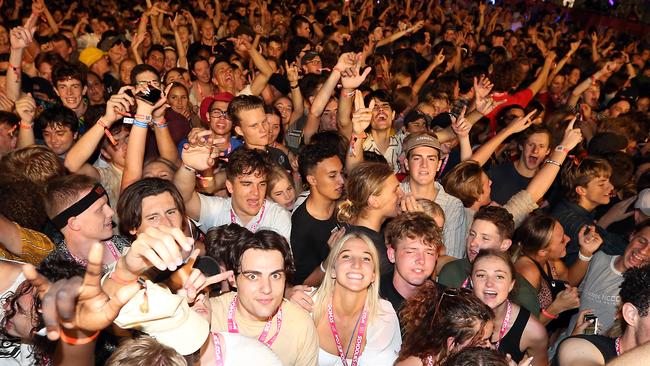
(506, 182)
(385, 265)
(309, 241)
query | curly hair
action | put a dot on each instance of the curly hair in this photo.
(414, 225)
(37, 163)
(310, 155)
(635, 289)
(432, 316)
(220, 243)
(477, 356)
(21, 201)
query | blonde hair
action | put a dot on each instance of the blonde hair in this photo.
(276, 174)
(326, 290)
(144, 351)
(365, 180)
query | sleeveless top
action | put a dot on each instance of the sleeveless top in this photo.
(606, 346)
(510, 343)
(544, 295)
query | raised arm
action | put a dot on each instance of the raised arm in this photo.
(537, 85)
(360, 121)
(563, 61)
(180, 47)
(26, 109)
(585, 84)
(296, 95)
(395, 36)
(20, 38)
(424, 76)
(262, 78)
(483, 153)
(351, 79)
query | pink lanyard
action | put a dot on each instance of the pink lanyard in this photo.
(111, 247)
(617, 344)
(233, 218)
(232, 324)
(504, 325)
(217, 349)
(357, 345)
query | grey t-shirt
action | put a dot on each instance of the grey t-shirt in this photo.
(599, 290)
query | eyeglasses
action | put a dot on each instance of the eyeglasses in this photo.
(154, 83)
(218, 113)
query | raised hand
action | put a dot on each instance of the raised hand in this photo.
(118, 105)
(201, 151)
(293, 74)
(21, 37)
(589, 240)
(77, 303)
(482, 87)
(574, 46)
(460, 126)
(521, 123)
(440, 57)
(572, 136)
(361, 116)
(160, 247)
(346, 60)
(350, 77)
(26, 109)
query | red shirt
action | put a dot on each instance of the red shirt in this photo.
(521, 98)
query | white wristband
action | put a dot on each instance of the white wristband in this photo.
(584, 258)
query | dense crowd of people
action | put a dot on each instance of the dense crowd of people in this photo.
(321, 183)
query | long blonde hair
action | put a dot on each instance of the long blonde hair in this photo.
(326, 289)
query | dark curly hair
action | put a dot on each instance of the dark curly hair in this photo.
(477, 356)
(310, 155)
(244, 161)
(220, 243)
(432, 316)
(264, 240)
(635, 288)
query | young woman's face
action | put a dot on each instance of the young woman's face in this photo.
(21, 324)
(556, 248)
(492, 280)
(177, 99)
(355, 266)
(284, 194)
(274, 127)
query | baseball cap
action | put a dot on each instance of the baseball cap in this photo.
(91, 55)
(207, 102)
(418, 139)
(643, 202)
(168, 319)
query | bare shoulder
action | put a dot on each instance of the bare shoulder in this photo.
(411, 361)
(579, 352)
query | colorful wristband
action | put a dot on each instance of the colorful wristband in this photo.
(77, 341)
(549, 315)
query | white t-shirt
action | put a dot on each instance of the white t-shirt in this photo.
(216, 211)
(383, 341)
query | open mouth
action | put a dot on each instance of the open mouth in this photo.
(489, 294)
(354, 276)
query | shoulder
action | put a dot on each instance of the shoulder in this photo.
(411, 361)
(296, 316)
(579, 350)
(277, 211)
(213, 200)
(535, 332)
(454, 273)
(528, 271)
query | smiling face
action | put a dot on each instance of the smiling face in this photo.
(556, 247)
(637, 253)
(414, 260)
(223, 76)
(59, 138)
(355, 266)
(484, 234)
(177, 99)
(274, 126)
(248, 192)
(285, 106)
(202, 71)
(423, 164)
(71, 92)
(492, 280)
(260, 284)
(96, 222)
(382, 116)
(597, 192)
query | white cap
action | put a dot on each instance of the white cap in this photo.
(643, 202)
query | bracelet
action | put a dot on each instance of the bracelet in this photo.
(584, 258)
(113, 276)
(108, 133)
(77, 341)
(347, 95)
(25, 126)
(143, 117)
(160, 124)
(294, 87)
(551, 161)
(549, 315)
(141, 124)
(189, 168)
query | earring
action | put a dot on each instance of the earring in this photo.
(333, 275)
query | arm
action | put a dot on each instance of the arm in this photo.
(563, 61)
(537, 85)
(589, 243)
(180, 47)
(595, 56)
(483, 153)
(10, 237)
(585, 84)
(481, 17)
(26, 109)
(350, 80)
(395, 36)
(42, 9)
(461, 129)
(579, 352)
(296, 96)
(262, 78)
(360, 122)
(320, 101)
(424, 76)
(20, 38)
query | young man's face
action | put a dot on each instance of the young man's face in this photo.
(220, 122)
(327, 178)
(534, 150)
(303, 30)
(260, 284)
(71, 92)
(390, 197)
(159, 210)
(274, 49)
(313, 66)
(484, 234)
(59, 138)
(223, 76)
(598, 191)
(248, 192)
(414, 260)
(382, 116)
(157, 60)
(423, 164)
(328, 118)
(96, 223)
(254, 127)
(637, 253)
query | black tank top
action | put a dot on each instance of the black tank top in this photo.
(511, 341)
(606, 346)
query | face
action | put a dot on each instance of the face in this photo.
(177, 99)
(423, 164)
(157, 169)
(556, 248)
(619, 108)
(303, 30)
(95, 90)
(390, 197)
(535, 150)
(170, 59)
(159, 210)
(285, 106)
(45, 71)
(327, 178)
(485, 198)
(71, 92)
(125, 71)
(482, 341)
(21, 324)
(207, 30)
(313, 66)
(574, 77)
(284, 194)
(59, 138)
(274, 49)
(637, 253)
(492, 280)
(591, 95)
(96, 223)
(598, 191)
(260, 284)
(254, 127)
(202, 71)
(419, 125)
(355, 266)
(328, 118)
(557, 85)
(248, 193)
(118, 53)
(274, 126)
(223, 75)
(484, 234)
(382, 116)
(440, 106)
(117, 153)
(220, 123)
(149, 78)
(414, 260)
(202, 306)
(157, 60)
